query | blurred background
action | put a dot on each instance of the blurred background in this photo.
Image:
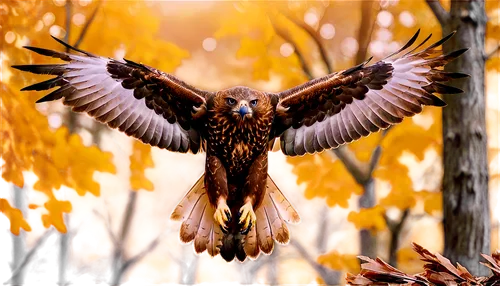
(84, 204)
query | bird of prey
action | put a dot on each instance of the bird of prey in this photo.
(235, 209)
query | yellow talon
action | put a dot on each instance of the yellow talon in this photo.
(222, 214)
(247, 217)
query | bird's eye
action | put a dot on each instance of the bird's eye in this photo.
(230, 101)
(253, 102)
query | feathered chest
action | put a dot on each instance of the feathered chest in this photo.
(237, 143)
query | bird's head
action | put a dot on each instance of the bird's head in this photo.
(242, 103)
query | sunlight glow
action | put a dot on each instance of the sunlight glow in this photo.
(10, 37)
(209, 44)
(385, 19)
(406, 19)
(120, 52)
(48, 18)
(78, 19)
(349, 46)
(55, 120)
(286, 50)
(327, 31)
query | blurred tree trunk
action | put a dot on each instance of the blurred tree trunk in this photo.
(188, 266)
(465, 183)
(323, 230)
(19, 241)
(395, 229)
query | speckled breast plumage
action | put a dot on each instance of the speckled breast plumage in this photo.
(237, 144)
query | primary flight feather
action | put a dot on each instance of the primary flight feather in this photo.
(235, 208)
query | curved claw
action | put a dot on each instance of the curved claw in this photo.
(222, 215)
(247, 218)
(247, 230)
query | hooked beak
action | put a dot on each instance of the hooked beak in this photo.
(243, 110)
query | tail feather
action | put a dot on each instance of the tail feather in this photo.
(251, 245)
(199, 225)
(191, 225)
(214, 241)
(183, 209)
(279, 230)
(285, 209)
(264, 233)
(202, 238)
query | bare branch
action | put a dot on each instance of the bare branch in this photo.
(87, 24)
(492, 53)
(426, 215)
(395, 229)
(365, 31)
(377, 153)
(329, 276)
(136, 258)
(441, 15)
(68, 7)
(107, 224)
(356, 168)
(317, 40)
(39, 243)
(285, 36)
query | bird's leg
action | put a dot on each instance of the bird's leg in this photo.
(217, 191)
(247, 217)
(222, 214)
(253, 192)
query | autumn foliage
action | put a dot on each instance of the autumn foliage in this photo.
(267, 40)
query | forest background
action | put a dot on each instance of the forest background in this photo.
(85, 204)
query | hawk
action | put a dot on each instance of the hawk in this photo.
(235, 209)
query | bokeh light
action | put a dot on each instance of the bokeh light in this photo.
(84, 2)
(384, 35)
(327, 31)
(55, 120)
(311, 17)
(349, 46)
(209, 44)
(56, 31)
(385, 19)
(48, 18)
(39, 26)
(406, 19)
(59, 3)
(376, 48)
(78, 19)
(10, 37)
(286, 49)
(393, 46)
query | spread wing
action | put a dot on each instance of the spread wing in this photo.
(141, 101)
(342, 107)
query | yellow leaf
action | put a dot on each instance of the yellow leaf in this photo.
(140, 159)
(341, 262)
(433, 201)
(55, 216)
(371, 218)
(15, 217)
